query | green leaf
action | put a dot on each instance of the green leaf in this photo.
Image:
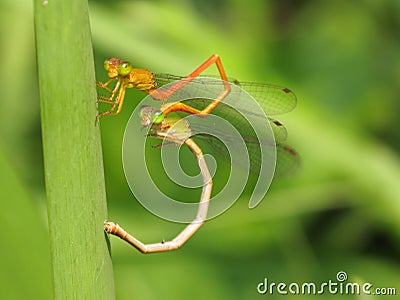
(72, 151)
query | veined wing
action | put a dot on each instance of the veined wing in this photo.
(273, 98)
(287, 159)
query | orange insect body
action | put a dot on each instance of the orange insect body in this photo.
(141, 79)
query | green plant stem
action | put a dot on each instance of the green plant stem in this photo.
(74, 175)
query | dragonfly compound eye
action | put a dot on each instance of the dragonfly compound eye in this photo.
(158, 117)
(124, 68)
(106, 64)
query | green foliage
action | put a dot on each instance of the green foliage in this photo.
(75, 188)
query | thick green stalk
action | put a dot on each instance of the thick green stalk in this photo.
(72, 151)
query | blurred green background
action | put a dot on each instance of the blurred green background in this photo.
(340, 212)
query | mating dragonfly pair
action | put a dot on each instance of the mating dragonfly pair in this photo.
(273, 100)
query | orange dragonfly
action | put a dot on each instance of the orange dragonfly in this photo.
(273, 99)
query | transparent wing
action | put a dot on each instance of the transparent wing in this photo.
(287, 159)
(273, 98)
(276, 100)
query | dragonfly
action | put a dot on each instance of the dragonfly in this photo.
(273, 99)
(177, 131)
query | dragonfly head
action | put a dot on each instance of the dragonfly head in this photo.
(151, 116)
(116, 67)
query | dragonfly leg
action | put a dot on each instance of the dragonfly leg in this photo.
(112, 92)
(115, 104)
(105, 85)
(177, 106)
(102, 99)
